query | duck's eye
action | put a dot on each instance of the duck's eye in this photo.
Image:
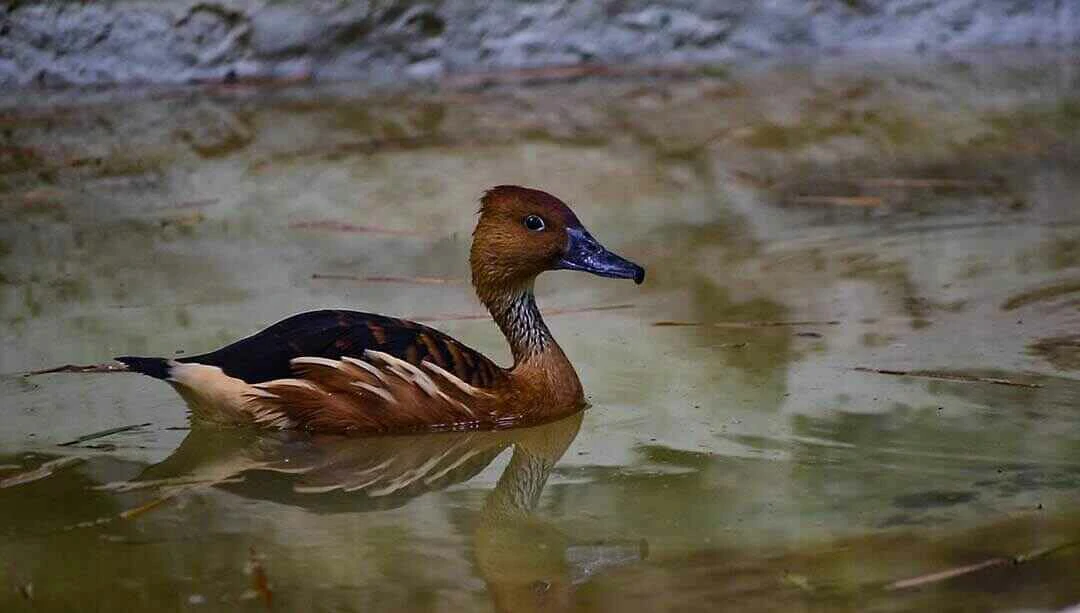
(534, 223)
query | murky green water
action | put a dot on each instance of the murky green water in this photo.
(803, 228)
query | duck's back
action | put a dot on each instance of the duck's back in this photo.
(334, 334)
(336, 370)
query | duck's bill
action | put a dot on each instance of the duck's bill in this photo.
(584, 253)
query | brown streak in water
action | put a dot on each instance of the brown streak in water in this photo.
(864, 201)
(384, 279)
(259, 581)
(753, 180)
(362, 147)
(342, 226)
(1040, 294)
(744, 324)
(921, 183)
(926, 374)
(187, 204)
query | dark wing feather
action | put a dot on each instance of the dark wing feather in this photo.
(332, 334)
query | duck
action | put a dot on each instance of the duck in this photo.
(344, 372)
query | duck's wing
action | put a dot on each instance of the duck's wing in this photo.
(334, 334)
(376, 393)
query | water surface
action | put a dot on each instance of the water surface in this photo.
(854, 362)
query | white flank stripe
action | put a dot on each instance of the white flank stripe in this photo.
(315, 361)
(378, 391)
(407, 372)
(298, 383)
(366, 367)
(455, 381)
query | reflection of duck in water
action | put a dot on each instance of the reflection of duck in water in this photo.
(337, 371)
(527, 563)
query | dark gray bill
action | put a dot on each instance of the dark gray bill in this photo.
(584, 253)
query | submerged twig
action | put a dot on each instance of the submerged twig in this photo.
(146, 508)
(959, 571)
(925, 374)
(168, 493)
(102, 434)
(946, 574)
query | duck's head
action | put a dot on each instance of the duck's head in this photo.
(523, 232)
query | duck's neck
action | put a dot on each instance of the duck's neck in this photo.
(519, 487)
(541, 370)
(519, 318)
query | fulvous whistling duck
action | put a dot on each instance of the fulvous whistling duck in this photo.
(345, 371)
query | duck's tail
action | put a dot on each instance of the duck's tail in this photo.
(158, 368)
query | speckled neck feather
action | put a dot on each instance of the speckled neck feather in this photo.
(519, 319)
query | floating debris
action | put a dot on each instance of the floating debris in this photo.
(102, 434)
(796, 580)
(45, 470)
(77, 368)
(19, 584)
(927, 374)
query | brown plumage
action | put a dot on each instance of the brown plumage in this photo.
(344, 371)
